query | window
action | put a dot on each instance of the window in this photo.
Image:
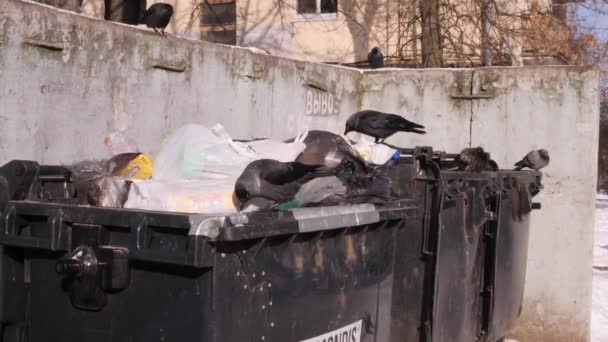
(218, 21)
(316, 9)
(219, 14)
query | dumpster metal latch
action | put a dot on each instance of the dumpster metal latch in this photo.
(91, 270)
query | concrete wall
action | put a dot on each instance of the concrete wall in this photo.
(66, 81)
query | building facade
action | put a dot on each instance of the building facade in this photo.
(513, 32)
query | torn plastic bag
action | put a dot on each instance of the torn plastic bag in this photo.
(319, 191)
(210, 196)
(265, 148)
(109, 192)
(197, 152)
(278, 150)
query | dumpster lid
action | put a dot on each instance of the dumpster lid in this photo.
(222, 227)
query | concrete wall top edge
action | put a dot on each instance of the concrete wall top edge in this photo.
(185, 42)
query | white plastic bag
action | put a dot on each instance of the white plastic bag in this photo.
(278, 150)
(211, 196)
(197, 152)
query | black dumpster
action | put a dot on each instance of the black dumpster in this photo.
(446, 262)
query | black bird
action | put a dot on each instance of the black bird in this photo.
(273, 180)
(380, 125)
(158, 16)
(375, 58)
(475, 159)
(534, 160)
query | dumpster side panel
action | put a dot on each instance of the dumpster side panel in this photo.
(290, 287)
(160, 304)
(556, 109)
(13, 295)
(298, 287)
(460, 262)
(510, 262)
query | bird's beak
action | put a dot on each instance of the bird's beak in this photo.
(346, 131)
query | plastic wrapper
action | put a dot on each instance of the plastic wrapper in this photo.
(119, 143)
(109, 192)
(132, 166)
(106, 183)
(323, 190)
(372, 153)
(95, 186)
(211, 196)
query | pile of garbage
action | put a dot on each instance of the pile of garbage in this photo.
(204, 170)
(197, 168)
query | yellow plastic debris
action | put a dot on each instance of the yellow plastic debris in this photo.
(140, 167)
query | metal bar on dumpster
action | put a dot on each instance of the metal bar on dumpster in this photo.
(301, 220)
(325, 218)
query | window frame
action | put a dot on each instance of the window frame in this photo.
(317, 16)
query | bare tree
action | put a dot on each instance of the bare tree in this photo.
(433, 33)
(430, 20)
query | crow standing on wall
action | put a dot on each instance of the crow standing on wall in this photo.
(375, 58)
(158, 16)
(380, 125)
